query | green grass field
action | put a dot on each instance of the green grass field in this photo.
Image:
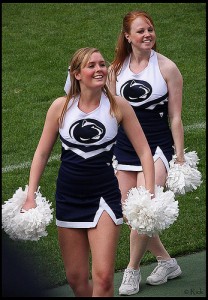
(37, 43)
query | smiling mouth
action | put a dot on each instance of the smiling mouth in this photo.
(98, 77)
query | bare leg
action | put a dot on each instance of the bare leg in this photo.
(75, 252)
(138, 243)
(155, 245)
(138, 247)
(103, 241)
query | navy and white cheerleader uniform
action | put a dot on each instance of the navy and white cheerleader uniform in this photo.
(148, 95)
(86, 182)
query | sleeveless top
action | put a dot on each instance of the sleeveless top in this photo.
(86, 183)
(147, 93)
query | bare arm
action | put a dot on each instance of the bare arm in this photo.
(111, 81)
(137, 137)
(174, 81)
(43, 150)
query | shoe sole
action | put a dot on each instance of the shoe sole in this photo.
(172, 275)
(130, 293)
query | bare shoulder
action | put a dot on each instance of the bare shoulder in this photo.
(110, 68)
(58, 103)
(165, 62)
(167, 66)
(111, 73)
(122, 102)
(56, 107)
(124, 106)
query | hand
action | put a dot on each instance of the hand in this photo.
(125, 219)
(27, 206)
(180, 161)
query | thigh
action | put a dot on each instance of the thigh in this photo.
(103, 241)
(126, 180)
(160, 174)
(74, 248)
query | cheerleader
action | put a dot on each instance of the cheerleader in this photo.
(88, 199)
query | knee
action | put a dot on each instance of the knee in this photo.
(104, 281)
(75, 279)
(72, 279)
(80, 284)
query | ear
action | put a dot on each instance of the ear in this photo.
(77, 76)
(127, 37)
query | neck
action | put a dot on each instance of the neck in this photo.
(87, 96)
(138, 56)
(89, 102)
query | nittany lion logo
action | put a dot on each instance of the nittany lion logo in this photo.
(87, 131)
(136, 90)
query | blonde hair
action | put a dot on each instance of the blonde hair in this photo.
(79, 61)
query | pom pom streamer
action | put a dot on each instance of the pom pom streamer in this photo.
(30, 224)
(150, 216)
(183, 178)
(114, 163)
(191, 158)
(186, 177)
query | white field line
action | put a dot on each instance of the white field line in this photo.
(25, 165)
(195, 126)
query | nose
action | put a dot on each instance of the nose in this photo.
(146, 32)
(97, 68)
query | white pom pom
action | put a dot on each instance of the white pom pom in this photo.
(30, 225)
(183, 178)
(150, 216)
(114, 163)
(191, 158)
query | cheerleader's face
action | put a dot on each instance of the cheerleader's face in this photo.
(94, 74)
(142, 34)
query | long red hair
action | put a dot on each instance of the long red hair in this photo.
(123, 48)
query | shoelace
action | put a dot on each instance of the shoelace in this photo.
(128, 276)
(159, 266)
(156, 268)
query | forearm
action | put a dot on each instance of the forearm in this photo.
(178, 138)
(37, 168)
(148, 170)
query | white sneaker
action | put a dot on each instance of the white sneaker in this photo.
(166, 269)
(130, 282)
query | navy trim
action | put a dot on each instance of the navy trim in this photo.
(154, 101)
(87, 148)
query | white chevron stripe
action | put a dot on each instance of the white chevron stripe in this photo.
(24, 165)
